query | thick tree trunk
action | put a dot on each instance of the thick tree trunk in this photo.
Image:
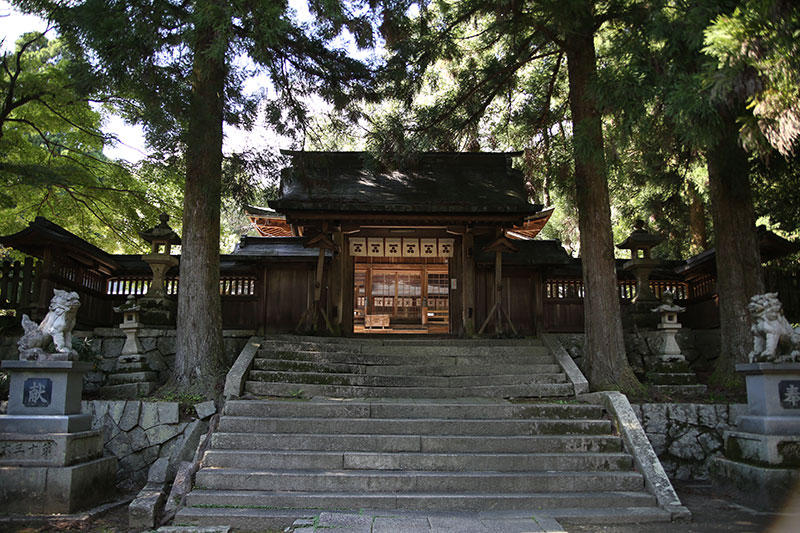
(697, 220)
(604, 348)
(739, 273)
(198, 361)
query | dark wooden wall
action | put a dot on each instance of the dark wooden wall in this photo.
(271, 296)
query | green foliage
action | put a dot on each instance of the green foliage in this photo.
(51, 160)
(86, 350)
(757, 49)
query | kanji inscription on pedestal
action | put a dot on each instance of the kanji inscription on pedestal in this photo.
(22, 450)
(37, 392)
(789, 393)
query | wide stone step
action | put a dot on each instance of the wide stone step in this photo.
(307, 366)
(416, 443)
(499, 462)
(268, 500)
(413, 380)
(429, 348)
(539, 390)
(414, 481)
(354, 358)
(430, 426)
(394, 370)
(410, 409)
(435, 349)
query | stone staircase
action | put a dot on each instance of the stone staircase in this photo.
(443, 368)
(410, 425)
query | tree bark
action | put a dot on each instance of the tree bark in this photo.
(697, 220)
(739, 274)
(604, 349)
(199, 354)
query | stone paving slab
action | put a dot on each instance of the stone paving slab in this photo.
(410, 522)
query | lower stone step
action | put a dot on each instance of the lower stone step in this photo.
(417, 443)
(680, 389)
(498, 462)
(479, 408)
(414, 426)
(569, 501)
(242, 519)
(415, 481)
(288, 390)
(408, 380)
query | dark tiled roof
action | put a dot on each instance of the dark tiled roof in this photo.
(276, 248)
(530, 253)
(436, 182)
(41, 233)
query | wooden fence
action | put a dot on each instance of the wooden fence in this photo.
(18, 289)
(563, 300)
(274, 296)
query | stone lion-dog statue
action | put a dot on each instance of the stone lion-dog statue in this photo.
(774, 339)
(56, 327)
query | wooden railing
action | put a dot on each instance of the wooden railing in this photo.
(563, 300)
(18, 287)
(138, 285)
(572, 289)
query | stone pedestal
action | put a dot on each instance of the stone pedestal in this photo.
(668, 370)
(762, 455)
(50, 459)
(673, 377)
(132, 377)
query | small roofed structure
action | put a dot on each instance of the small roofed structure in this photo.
(269, 223)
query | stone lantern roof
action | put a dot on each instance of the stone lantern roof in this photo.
(640, 238)
(161, 232)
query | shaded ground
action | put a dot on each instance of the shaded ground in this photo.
(711, 514)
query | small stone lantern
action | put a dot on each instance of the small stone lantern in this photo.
(161, 238)
(132, 377)
(639, 242)
(668, 327)
(130, 325)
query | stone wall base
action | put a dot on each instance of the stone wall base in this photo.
(766, 489)
(64, 489)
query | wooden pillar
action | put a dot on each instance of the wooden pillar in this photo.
(348, 286)
(468, 283)
(264, 294)
(45, 283)
(336, 281)
(498, 290)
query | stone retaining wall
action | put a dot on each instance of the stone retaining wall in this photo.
(158, 345)
(699, 346)
(685, 436)
(137, 433)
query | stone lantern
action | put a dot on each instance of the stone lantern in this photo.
(132, 377)
(161, 238)
(639, 242)
(668, 327)
(668, 371)
(156, 307)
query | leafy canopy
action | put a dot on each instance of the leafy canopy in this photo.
(51, 152)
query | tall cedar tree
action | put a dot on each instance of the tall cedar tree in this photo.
(172, 66)
(513, 35)
(677, 79)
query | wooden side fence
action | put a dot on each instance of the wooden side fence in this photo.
(18, 289)
(273, 296)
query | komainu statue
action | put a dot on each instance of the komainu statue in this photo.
(56, 327)
(774, 340)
